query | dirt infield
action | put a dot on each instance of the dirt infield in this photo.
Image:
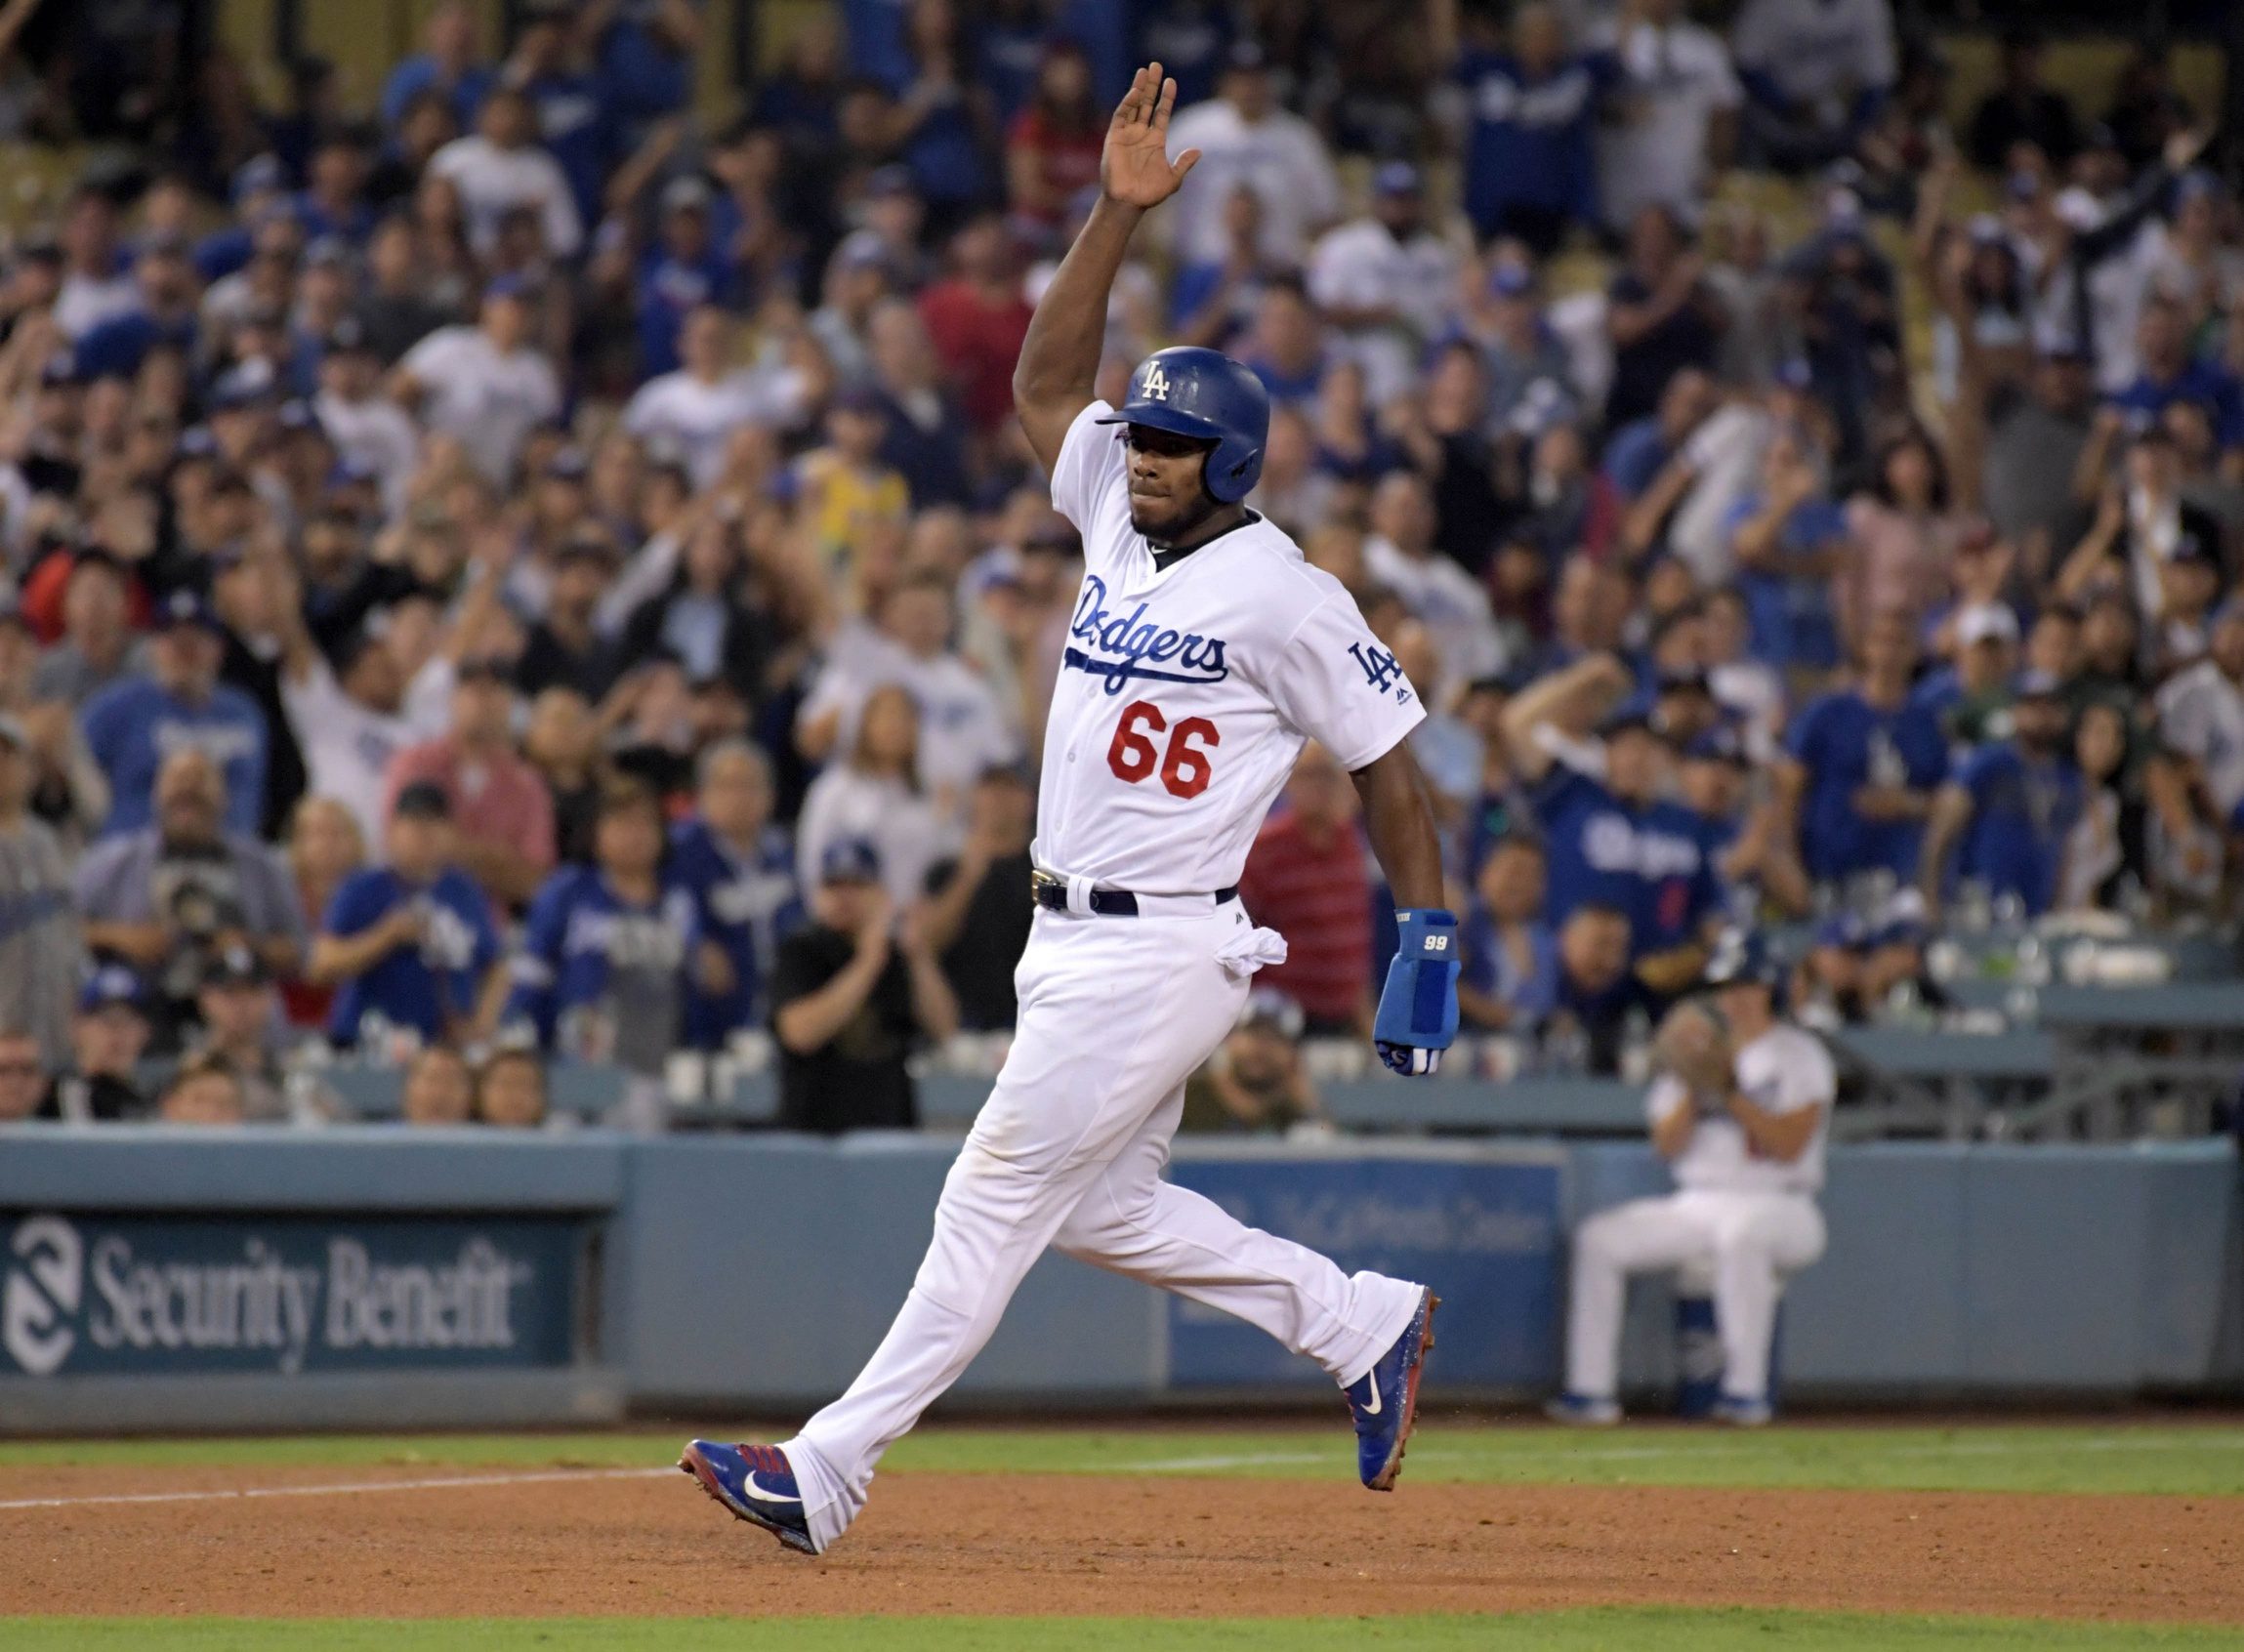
(1062, 1544)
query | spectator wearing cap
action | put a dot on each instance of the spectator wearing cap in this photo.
(603, 969)
(565, 648)
(976, 319)
(132, 725)
(164, 317)
(1679, 111)
(1386, 282)
(1053, 147)
(695, 408)
(2010, 808)
(684, 270)
(351, 719)
(1530, 171)
(449, 64)
(413, 942)
(367, 428)
(40, 949)
(487, 386)
(1863, 762)
(501, 812)
(1256, 1082)
(1306, 877)
(1510, 977)
(1972, 698)
(1530, 375)
(854, 991)
(501, 166)
(101, 1084)
(167, 896)
(1245, 138)
(239, 1031)
(740, 867)
(96, 281)
(974, 918)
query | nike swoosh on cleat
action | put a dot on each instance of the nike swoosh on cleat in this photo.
(1371, 1406)
(750, 1488)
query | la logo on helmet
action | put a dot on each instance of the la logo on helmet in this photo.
(1156, 385)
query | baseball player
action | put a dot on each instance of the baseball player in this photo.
(1741, 1111)
(1203, 652)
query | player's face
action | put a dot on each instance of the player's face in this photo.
(1168, 489)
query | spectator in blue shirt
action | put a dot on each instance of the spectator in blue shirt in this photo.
(333, 204)
(134, 724)
(642, 52)
(685, 268)
(942, 118)
(2010, 808)
(740, 868)
(603, 970)
(165, 316)
(1529, 167)
(1787, 537)
(1190, 39)
(1511, 979)
(1639, 450)
(2170, 374)
(575, 121)
(1864, 764)
(413, 942)
(450, 64)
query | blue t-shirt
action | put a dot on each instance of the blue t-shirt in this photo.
(1845, 743)
(745, 903)
(1634, 456)
(354, 226)
(2022, 812)
(1190, 39)
(1530, 994)
(1678, 890)
(416, 73)
(1530, 141)
(669, 287)
(642, 77)
(1647, 861)
(433, 987)
(132, 726)
(600, 976)
(116, 348)
(574, 127)
(2201, 382)
(1788, 615)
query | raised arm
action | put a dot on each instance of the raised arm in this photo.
(1058, 363)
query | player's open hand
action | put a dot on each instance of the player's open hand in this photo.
(1135, 169)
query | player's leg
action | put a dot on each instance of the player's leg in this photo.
(1759, 1239)
(1112, 1016)
(1642, 1236)
(1130, 1221)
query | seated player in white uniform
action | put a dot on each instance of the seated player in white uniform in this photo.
(1740, 1110)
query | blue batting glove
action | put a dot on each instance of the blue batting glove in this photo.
(1417, 1017)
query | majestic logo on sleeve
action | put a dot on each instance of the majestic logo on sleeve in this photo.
(1117, 647)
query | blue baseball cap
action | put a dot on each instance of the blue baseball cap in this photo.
(1510, 280)
(1397, 178)
(106, 987)
(259, 172)
(188, 607)
(507, 287)
(850, 860)
(1718, 744)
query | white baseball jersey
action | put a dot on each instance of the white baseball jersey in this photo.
(1782, 1070)
(1186, 694)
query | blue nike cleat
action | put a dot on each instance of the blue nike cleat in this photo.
(755, 1482)
(1383, 1400)
(1742, 1413)
(1583, 1411)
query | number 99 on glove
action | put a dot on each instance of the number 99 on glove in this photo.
(1417, 1017)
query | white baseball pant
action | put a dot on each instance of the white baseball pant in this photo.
(1747, 1243)
(1115, 1014)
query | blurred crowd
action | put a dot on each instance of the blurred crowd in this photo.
(523, 570)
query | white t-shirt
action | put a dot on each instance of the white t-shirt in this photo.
(1362, 266)
(2201, 714)
(1448, 601)
(490, 401)
(698, 418)
(1815, 50)
(492, 182)
(1280, 157)
(375, 433)
(1682, 78)
(899, 823)
(1726, 452)
(347, 745)
(1184, 695)
(962, 729)
(83, 302)
(1782, 1072)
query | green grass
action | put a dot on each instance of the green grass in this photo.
(1591, 1630)
(2190, 1461)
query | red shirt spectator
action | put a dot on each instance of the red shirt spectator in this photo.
(1054, 146)
(501, 810)
(1306, 879)
(977, 320)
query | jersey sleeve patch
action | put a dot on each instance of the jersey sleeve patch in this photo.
(1337, 683)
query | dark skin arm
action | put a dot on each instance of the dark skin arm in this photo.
(1058, 363)
(1398, 818)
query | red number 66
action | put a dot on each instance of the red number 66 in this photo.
(1185, 768)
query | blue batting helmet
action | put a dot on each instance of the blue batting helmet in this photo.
(1192, 391)
(1743, 957)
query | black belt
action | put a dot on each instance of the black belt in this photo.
(1050, 894)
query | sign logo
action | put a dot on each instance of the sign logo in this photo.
(41, 1295)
